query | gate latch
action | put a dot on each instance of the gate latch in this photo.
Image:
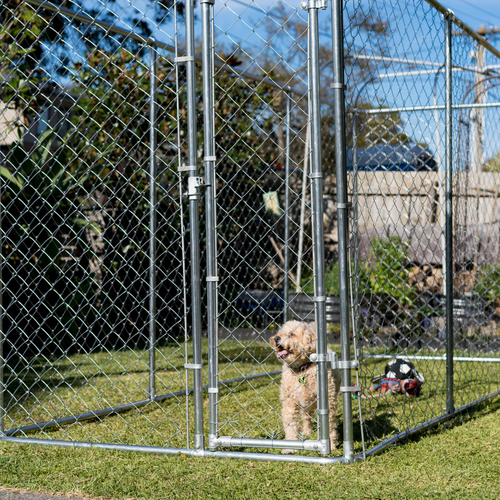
(194, 183)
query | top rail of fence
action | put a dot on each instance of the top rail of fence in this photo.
(84, 18)
(463, 26)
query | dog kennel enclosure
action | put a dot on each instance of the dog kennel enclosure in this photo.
(178, 180)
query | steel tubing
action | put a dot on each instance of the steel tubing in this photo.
(152, 219)
(318, 237)
(342, 216)
(449, 213)
(194, 225)
(286, 265)
(210, 210)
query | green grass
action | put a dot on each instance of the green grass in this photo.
(459, 463)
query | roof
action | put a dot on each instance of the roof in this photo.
(392, 158)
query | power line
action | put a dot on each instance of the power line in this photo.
(478, 8)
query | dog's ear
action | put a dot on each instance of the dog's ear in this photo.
(310, 338)
(272, 341)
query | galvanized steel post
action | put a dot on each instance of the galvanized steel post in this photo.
(193, 191)
(448, 22)
(152, 218)
(317, 210)
(210, 208)
(286, 257)
(338, 87)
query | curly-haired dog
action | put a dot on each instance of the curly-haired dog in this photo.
(293, 344)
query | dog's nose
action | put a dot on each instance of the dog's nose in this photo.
(277, 340)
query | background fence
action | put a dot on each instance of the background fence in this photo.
(124, 271)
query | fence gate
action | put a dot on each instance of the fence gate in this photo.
(249, 236)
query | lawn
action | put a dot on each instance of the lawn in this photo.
(460, 462)
(42, 389)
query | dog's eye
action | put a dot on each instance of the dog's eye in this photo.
(292, 335)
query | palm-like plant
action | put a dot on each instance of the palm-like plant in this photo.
(45, 245)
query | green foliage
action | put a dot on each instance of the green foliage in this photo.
(41, 215)
(488, 281)
(384, 272)
(493, 164)
(385, 269)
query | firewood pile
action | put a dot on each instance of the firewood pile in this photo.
(426, 279)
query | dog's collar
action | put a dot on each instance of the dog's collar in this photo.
(303, 368)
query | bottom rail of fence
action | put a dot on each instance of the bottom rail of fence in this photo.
(91, 415)
(266, 457)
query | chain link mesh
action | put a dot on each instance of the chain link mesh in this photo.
(97, 302)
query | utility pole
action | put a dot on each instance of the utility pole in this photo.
(477, 114)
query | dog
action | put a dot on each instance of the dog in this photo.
(293, 344)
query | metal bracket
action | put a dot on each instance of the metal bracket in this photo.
(332, 358)
(316, 175)
(193, 184)
(314, 4)
(320, 298)
(193, 366)
(344, 205)
(182, 59)
(188, 168)
(341, 86)
(351, 388)
(213, 390)
(211, 2)
(212, 279)
(210, 158)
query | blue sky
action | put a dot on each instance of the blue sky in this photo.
(476, 12)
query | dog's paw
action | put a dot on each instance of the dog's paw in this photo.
(287, 452)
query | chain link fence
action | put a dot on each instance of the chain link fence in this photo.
(178, 183)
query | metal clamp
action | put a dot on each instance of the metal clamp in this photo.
(212, 279)
(211, 2)
(188, 168)
(344, 205)
(345, 365)
(320, 298)
(193, 366)
(213, 390)
(316, 175)
(325, 411)
(182, 59)
(351, 388)
(332, 358)
(341, 86)
(314, 4)
(210, 158)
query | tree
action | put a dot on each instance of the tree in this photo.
(493, 164)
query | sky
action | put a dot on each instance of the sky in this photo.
(476, 12)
